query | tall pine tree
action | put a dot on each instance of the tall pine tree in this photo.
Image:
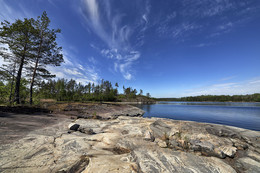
(46, 51)
(19, 37)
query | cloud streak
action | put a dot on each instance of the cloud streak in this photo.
(230, 88)
(72, 69)
(203, 16)
(10, 14)
(121, 40)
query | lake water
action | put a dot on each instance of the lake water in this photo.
(244, 115)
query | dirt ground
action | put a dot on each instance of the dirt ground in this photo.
(14, 126)
(18, 121)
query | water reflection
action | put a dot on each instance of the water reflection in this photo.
(243, 104)
(245, 115)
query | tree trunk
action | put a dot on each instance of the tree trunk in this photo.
(35, 69)
(12, 84)
(32, 81)
(11, 91)
(19, 75)
(18, 81)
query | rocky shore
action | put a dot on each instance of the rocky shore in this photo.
(117, 143)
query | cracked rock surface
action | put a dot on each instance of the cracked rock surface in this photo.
(134, 144)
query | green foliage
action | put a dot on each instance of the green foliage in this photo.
(129, 92)
(217, 98)
(5, 89)
(70, 90)
(3, 92)
(19, 37)
(31, 46)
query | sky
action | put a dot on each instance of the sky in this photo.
(169, 48)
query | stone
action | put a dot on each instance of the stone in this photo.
(222, 132)
(229, 151)
(88, 131)
(160, 129)
(148, 136)
(173, 143)
(219, 153)
(73, 126)
(248, 164)
(204, 146)
(173, 132)
(161, 143)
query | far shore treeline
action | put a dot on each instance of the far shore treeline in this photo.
(217, 98)
(28, 46)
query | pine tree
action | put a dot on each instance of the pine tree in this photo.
(46, 51)
(19, 38)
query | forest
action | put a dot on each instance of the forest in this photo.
(28, 47)
(70, 90)
(217, 98)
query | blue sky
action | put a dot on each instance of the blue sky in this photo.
(170, 48)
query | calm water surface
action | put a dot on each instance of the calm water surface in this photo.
(244, 115)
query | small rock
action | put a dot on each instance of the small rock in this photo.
(161, 143)
(173, 143)
(240, 145)
(229, 150)
(219, 153)
(86, 130)
(148, 136)
(173, 132)
(73, 126)
(203, 146)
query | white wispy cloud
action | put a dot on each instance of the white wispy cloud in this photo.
(92, 60)
(255, 82)
(203, 16)
(52, 3)
(73, 69)
(230, 88)
(121, 39)
(202, 45)
(10, 14)
(227, 78)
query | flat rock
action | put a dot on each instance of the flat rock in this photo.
(119, 145)
(248, 165)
